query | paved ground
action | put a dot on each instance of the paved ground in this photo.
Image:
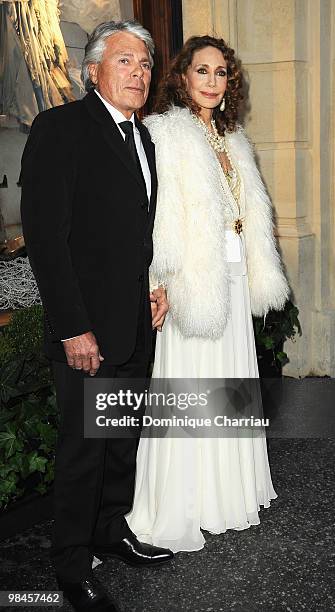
(284, 564)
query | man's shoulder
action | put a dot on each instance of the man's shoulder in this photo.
(60, 127)
(67, 115)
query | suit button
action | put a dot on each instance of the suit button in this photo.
(144, 205)
(140, 278)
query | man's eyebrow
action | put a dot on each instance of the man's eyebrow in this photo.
(129, 54)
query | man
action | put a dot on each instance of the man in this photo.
(88, 204)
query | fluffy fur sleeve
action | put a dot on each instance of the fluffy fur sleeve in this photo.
(268, 286)
(169, 220)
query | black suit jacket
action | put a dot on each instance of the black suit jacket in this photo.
(87, 227)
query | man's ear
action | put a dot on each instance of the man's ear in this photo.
(93, 72)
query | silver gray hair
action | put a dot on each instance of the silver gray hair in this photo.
(97, 42)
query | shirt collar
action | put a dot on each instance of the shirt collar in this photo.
(116, 114)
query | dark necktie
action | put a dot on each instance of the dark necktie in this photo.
(127, 128)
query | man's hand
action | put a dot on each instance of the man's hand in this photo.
(83, 353)
(159, 307)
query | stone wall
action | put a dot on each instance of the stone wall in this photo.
(287, 49)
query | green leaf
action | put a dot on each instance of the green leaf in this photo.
(8, 484)
(5, 416)
(282, 357)
(41, 488)
(9, 440)
(50, 472)
(17, 462)
(4, 470)
(48, 436)
(36, 462)
(269, 342)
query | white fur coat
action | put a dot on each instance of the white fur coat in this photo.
(189, 231)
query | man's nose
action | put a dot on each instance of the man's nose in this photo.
(138, 71)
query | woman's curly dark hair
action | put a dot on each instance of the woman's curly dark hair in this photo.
(172, 89)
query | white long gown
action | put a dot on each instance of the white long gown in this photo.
(185, 485)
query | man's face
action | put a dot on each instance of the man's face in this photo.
(124, 73)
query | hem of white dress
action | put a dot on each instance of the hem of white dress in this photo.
(177, 545)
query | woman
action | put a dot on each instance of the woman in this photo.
(215, 253)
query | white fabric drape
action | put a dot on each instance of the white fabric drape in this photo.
(89, 13)
(34, 47)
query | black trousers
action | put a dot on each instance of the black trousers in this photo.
(94, 478)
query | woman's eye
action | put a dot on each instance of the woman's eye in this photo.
(222, 73)
(201, 70)
(124, 60)
(146, 66)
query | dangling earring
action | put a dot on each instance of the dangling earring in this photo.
(223, 104)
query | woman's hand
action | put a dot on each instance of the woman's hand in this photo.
(159, 307)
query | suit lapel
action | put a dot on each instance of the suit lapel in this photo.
(111, 133)
(149, 149)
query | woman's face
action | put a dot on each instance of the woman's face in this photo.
(206, 77)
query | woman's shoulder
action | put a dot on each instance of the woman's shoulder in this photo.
(239, 143)
(165, 124)
(239, 135)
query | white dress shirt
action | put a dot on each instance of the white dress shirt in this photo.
(118, 118)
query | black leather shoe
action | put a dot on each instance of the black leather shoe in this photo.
(135, 553)
(88, 595)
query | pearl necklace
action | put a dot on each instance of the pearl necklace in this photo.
(216, 141)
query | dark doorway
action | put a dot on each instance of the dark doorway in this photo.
(164, 20)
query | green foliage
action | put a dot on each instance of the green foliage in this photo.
(24, 334)
(279, 326)
(28, 413)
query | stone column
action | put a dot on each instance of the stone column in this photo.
(322, 105)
